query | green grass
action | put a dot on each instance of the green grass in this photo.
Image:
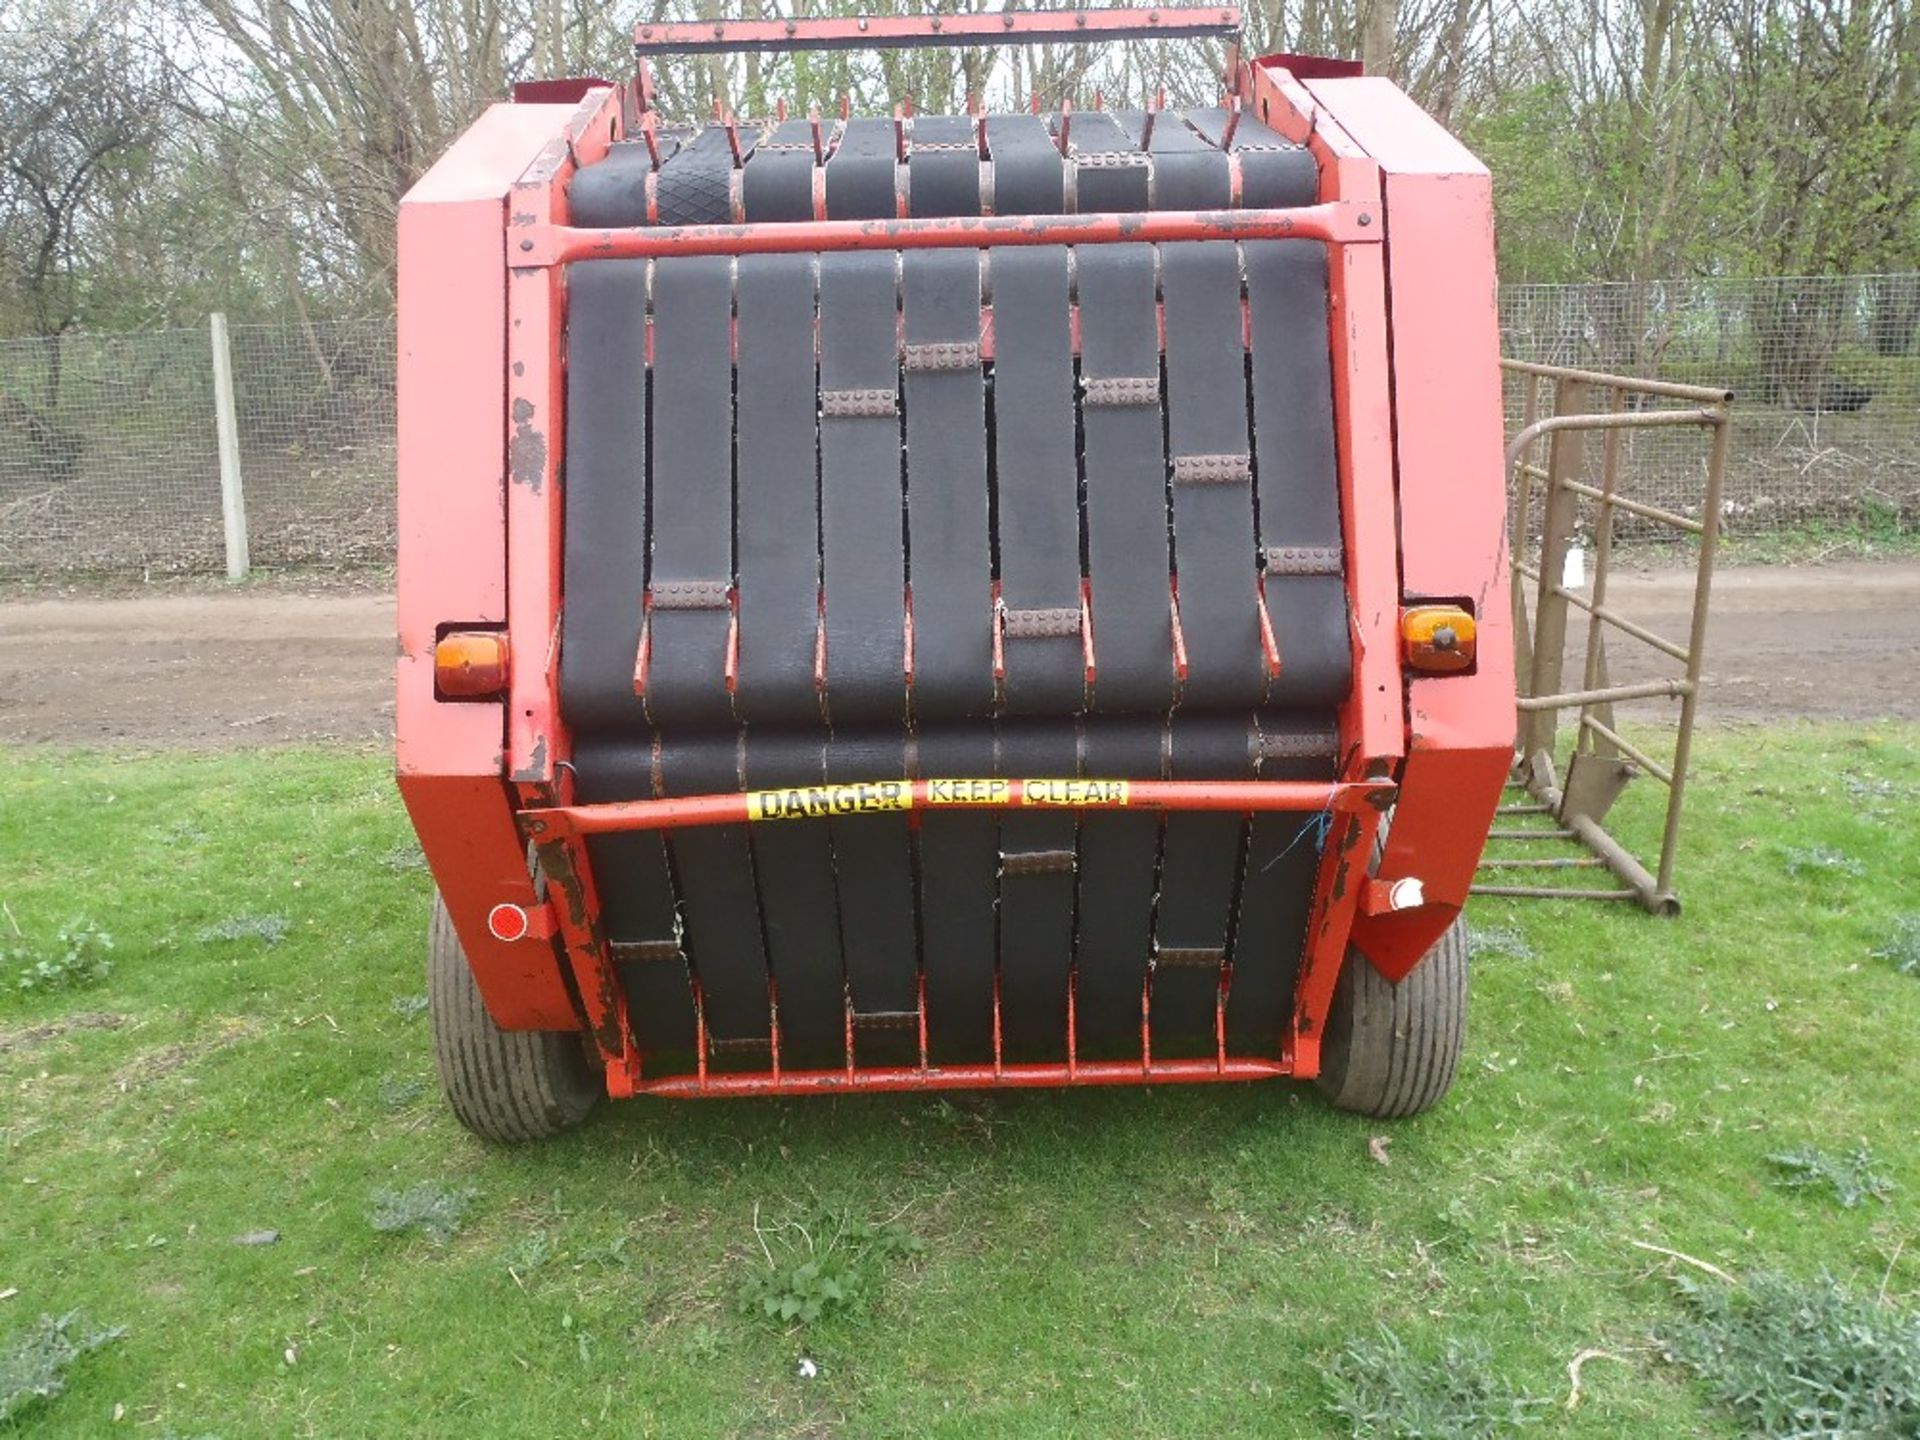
(1878, 535)
(1177, 1263)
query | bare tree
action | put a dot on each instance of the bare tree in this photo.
(79, 104)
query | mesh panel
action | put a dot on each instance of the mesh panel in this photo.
(107, 454)
(109, 460)
(1827, 370)
(315, 411)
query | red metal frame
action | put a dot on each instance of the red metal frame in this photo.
(483, 286)
(914, 32)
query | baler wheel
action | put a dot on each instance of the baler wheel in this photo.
(502, 1084)
(1391, 1050)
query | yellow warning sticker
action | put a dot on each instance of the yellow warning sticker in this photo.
(1074, 792)
(819, 801)
(969, 792)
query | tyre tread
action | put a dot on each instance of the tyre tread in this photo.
(504, 1085)
(1392, 1051)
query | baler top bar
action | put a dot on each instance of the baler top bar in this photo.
(915, 32)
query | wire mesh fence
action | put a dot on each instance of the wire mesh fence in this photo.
(315, 410)
(1827, 371)
(109, 461)
(107, 453)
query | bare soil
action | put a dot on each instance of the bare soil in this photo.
(239, 669)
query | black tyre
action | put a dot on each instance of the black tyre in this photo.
(506, 1085)
(1392, 1050)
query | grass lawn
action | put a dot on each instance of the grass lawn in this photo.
(1173, 1263)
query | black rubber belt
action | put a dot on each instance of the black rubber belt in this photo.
(1028, 175)
(691, 491)
(1036, 896)
(777, 184)
(1119, 858)
(694, 187)
(1296, 473)
(777, 525)
(604, 569)
(950, 556)
(863, 560)
(1276, 893)
(793, 861)
(1274, 172)
(1188, 172)
(860, 173)
(1038, 519)
(1126, 480)
(1111, 172)
(718, 903)
(638, 909)
(1199, 871)
(873, 874)
(614, 190)
(959, 866)
(1213, 536)
(943, 167)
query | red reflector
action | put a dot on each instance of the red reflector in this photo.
(507, 922)
(470, 665)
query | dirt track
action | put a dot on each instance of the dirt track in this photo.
(232, 670)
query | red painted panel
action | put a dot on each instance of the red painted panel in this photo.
(1452, 497)
(452, 565)
(460, 820)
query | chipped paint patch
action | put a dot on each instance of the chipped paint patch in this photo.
(527, 451)
(536, 767)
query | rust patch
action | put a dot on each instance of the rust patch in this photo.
(556, 863)
(527, 451)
